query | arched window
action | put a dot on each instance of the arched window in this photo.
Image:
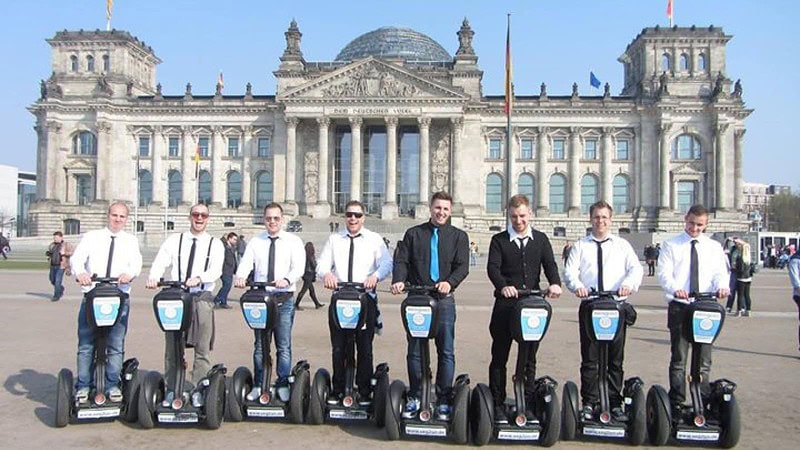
(494, 193)
(263, 189)
(686, 146)
(558, 193)
(621, 195)
(234, 189)
(204, 187)
(84, 143)
(90, 63)
(175, 180)
(701, 62)
(106, 63)
(73, 63)
(666, 62)
(589, 192)
(525, 186)
(145, 187)
(684, 62)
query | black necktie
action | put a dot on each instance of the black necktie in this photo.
(521, 243)
(271, 261)
(600, 286)
(350, 258)
(522, 259)
(694, 270)
(110, 256)
(191, 259)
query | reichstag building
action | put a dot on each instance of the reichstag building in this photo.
(391, 119)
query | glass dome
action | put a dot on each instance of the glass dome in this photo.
(394, 43)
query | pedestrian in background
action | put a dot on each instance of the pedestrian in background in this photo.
(58, 253)
(794, 277)
(744, 276)
(309, 276)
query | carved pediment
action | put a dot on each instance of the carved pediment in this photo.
(688, 170)
(79, 165)
(374, 79)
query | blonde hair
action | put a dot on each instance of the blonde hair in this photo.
(745, 248)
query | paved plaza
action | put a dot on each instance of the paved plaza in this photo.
(37, 338)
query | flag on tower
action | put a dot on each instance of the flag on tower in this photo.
(197, 161)
(669, 12)
(508, 86)
(109, 8)
(593, 80)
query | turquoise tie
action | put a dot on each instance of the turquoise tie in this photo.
(435, 255)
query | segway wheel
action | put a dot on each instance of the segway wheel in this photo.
(379, 400)
(215, 401)
(658, 415)
(394, 408)
(64, 398)
(320, 390)
(637, 419)
(551, 418)
(569, 411)
(130, 398)
(151, 392)
(298, 402)
(482, 406)
(238, 386)
(460, 420)
(730, 423)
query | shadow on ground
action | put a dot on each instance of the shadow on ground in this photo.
(37, 387)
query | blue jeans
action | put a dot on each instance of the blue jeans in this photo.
(445, 350)
(57, 280)
(222, 295)
(283, 343)
(115, 348)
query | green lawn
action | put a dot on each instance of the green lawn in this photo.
(23, 264)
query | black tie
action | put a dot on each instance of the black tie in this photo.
(600, 286)
(110, 256)
(694, 270)
(350, 258)
(521, 243)
(191, 259)
(271, 261)
(524, 264)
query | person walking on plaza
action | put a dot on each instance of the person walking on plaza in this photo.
(516, 259)
(275, 256)
(600, 262)
(794, 277)
(196, 258)
(473, 254)
(58, 253)
(732, 252)
(742, 271)
(5, 246)
(689, 263)
(231, 262)
(309, 276)
(433, 253)
(354, 255)
(650, 259)
(107, 252)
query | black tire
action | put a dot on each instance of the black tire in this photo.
(482, 406)
(729, 422)
(394, 408)
(637, 418)
(551, 419)
(658, 416)
(215, 401)
(459, 424)
(130, 398)
(319, 395)
(379, 400)
(151, 392)
(569, 411)
(298, 402)
(238, 387)
(64, 397)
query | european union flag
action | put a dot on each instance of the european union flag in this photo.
(594, 81)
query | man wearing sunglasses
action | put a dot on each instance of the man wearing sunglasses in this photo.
(275, 256)
(355, 255)
(195, 258)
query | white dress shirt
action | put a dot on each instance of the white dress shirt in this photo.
(168, 257)
(91, 256)
(513, 235)
(674, 265)
(370, 256)
(621, 266)
(290, 258)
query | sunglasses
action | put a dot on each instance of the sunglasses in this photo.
(199, 215)
(272, 218)
(357, 215)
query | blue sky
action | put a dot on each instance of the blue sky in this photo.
(553, 41)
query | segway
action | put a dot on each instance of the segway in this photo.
(711, 420)
(173, 310)
(102, 307)
(348, 312)
(420, 312)
(606, 321)
(539, 421)
(260, 309)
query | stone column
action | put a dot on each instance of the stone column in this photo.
(218, 148)
(156, 165)
(323, 206)
(249, 147)
(457, 126)
(607, 189)
(635, 184)
(424, 166)
(543, 188)
(188, 170)
(389, 209)
(291, 158)
(48, 175)
(104, 167)
(738, 150)
(663, 166)
(355, 158)
(721, 175)
(574, 171)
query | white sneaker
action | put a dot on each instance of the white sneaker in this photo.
(412, 406)
(115, 394)
(82, 396)
(197, 399)
(284, 393)
(168, 399)
(254, 394)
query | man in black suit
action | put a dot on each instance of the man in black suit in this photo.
(516, 258)
(231, 242)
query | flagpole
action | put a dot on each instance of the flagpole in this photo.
(109, 6)
(509, 96)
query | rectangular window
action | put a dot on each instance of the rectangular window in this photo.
(495, 148)
(263, 147)
(233, 147)
(526, 149)
(144, 145)
(174, 146)
(687, 195)
(590, 150)
(558, 149)
(202, 145)
(622, 150)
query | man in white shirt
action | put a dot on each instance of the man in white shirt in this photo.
(689, 263)
(108, 252)
(601, 261)
(357, 255)
(275, 256)
(196, 259)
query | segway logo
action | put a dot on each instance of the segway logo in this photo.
(426, 431)
(419, 320)
(255, 314)
(170, 314)
(347, 313)
(697, 436)
(705, 326)
(604, 432)
(605, 324)
(533, 322)
(105, 311)
(98, 413)
(518, 435)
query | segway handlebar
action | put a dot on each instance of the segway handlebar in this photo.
(110, 280)
(532, 292)
(350, 285)
(703, 296)
(260, 284)
(170, 283)
(595, 295)
(420, 289)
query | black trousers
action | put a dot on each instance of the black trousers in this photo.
(308, 285)
(677, 322)
(499, 328)
(590, 360)
(743, 294)
(363, 344)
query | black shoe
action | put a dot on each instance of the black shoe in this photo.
(618, 415)
(299, 308)
(55, 299)
(224, 306)
(500, 415)
(319, 305)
